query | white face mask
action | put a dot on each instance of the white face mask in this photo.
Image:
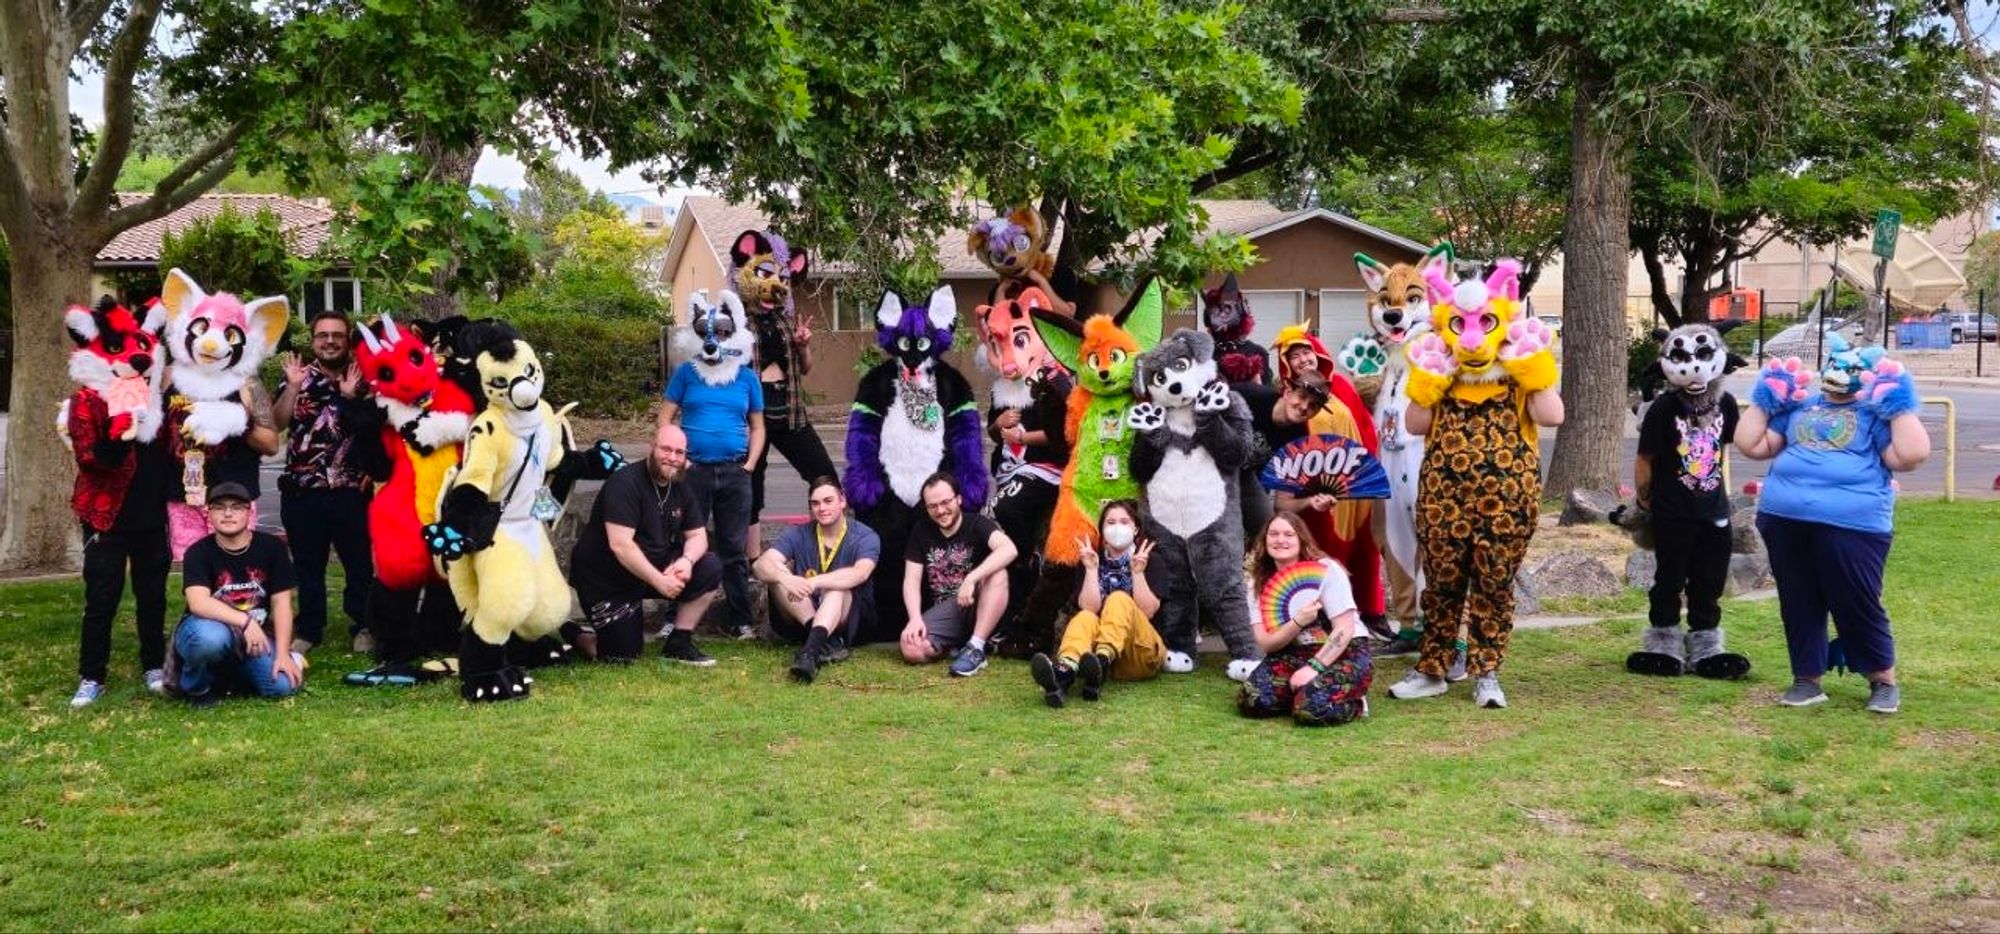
(1120, 536)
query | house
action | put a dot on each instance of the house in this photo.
(1305, 273)
(132, 259)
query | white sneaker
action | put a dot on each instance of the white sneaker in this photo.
(1486, 692)
(302, 646)
(1179, 663)
(87, 692)
(1240, 668)
(156, 681)
(1416, 684)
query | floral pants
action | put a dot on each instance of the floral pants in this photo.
(1335, 697)
(1477, 502)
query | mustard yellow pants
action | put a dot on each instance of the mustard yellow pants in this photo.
(1122, 632)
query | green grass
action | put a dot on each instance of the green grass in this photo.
(890, 797)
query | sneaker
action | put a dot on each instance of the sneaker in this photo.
(1486, 692)
(971, 660)
(1401, 645)
(746, 633)
(836, 651)
(1053, 676)
(680, 647)
(1804, 693)
(87, 693)
(156, 681)
(1093, 669)
(1178, 663)
(1416, 684)
(1457, 672)
(302, 646)
(1884, 698)
(805, 665)
(364, 643)
(206, 700)
(1240, 669)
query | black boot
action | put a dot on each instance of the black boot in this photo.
(805, 664)
(1054, 677)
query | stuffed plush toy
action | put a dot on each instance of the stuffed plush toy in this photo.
(217, 343)
(1344, 532)
(501, 566)
(1102, 351)
(1226, 315)
(1479, 494)
(1685, 506)
(116, 366)
(914, 415)
(1374, 360)
(1193, 436)
(1025, 421)
(408, 442)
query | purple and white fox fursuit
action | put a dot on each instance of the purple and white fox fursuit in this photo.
(914, 414)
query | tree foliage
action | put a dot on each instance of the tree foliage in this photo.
(249, 254)
(403, 225)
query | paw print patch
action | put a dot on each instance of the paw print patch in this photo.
(1146, 416)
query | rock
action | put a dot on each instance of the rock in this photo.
(569, 525)
(1640, 568)
(1526, 603)
(1744, 539)
(1573, 574)
(1588, 506)
(1747, 573)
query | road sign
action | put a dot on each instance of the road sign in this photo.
(1887, 223)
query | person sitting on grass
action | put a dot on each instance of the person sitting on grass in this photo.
(819, 574)
(239, 584)
(1316, 664)
(955, 580)
(647, 538)
(1112, 634)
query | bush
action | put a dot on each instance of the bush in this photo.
(596, 293)
(232, 252)
(608, 366)
(1640, 352)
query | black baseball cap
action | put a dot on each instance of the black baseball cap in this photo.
(230, 489)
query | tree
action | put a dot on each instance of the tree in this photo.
(251, 254)
(1982, 269)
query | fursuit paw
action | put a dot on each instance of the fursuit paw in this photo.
(1888, 389)
(1528, 354)
(1240, 669)
(445, 542)
(124, 426)
(1363, 357)
(1213, 397)
(604, 457)
(488, 687)
(1781, 386)
(1432, 369)
(1709, 658)
(1178, 663)
(1146, 416)
(1660, 653)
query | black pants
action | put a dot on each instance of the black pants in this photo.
(105, 555)
(1022, 506)
(620, 622)
(410, 624)
(892, 520)
(801, 446)
(1693, 557)
(725, 488)
(316, 520)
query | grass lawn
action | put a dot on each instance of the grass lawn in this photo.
(887, 797)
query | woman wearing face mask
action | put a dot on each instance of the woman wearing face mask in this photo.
(1316, 665)
(1111, 636)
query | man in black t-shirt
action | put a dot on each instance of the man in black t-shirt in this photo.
(954, 582)
(647, 538)
(1677, 477)
(1278, 416)
(239, 584)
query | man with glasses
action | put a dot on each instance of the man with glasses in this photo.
(647, 539)
(238, 584)
(324, 501)
(954, 580)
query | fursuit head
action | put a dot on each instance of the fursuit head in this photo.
(718, 339)
(764, 269)
(1011, 348)
(1481, 334)
(1694, 359)
(1013, 245)
(913, 413)
(217, 343)
(407, 381)
(117, 356)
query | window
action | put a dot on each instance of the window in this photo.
(343, 295)
(852, 311)
(1343, 313)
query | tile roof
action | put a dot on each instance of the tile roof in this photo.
(308, 222)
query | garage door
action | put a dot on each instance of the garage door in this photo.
(1274, 309)
(1343, 313)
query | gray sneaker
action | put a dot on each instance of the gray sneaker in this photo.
(970, 661)
(87, 692)
(1457, 672)
(1416, 684)
(1884, 698)
(1803, 693)
(1486, 692)
(156, 681)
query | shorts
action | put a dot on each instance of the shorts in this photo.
(859, 614)
(949, 626)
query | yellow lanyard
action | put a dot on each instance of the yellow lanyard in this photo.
(827, 552)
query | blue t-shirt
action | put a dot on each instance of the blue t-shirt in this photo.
(800, 546)
(716, 418)
(1831, 468)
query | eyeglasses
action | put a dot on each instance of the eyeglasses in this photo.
(330, 335)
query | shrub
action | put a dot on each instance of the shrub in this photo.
(241, 253)
(609, 366)
(1640, 353)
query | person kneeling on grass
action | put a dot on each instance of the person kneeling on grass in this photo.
(1316, 664)
(1112, 634)
(239, 584)
(819, 572)
(647, 538)
(954, 581)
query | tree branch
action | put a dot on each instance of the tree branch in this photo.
(13, 187)
(1234, 169)
(83, 17)
(93, 197)
(1417, 14)
(1656, 277)
(213, 162)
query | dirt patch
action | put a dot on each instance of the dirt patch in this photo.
(1606, 543)
(1938, 740)
(1124, 807)
(1554, 821)
(619, 431)
(1084, 922)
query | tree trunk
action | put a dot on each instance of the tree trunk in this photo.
(452, 164)
(1596, 244)
(1656, 280)
(41, 531)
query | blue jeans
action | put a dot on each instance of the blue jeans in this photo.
(211, 659)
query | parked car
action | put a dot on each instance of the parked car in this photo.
(1966, 325)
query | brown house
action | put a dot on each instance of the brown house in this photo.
(307, 224)
(1305, 273)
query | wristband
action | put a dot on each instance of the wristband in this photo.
(1316, 665)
